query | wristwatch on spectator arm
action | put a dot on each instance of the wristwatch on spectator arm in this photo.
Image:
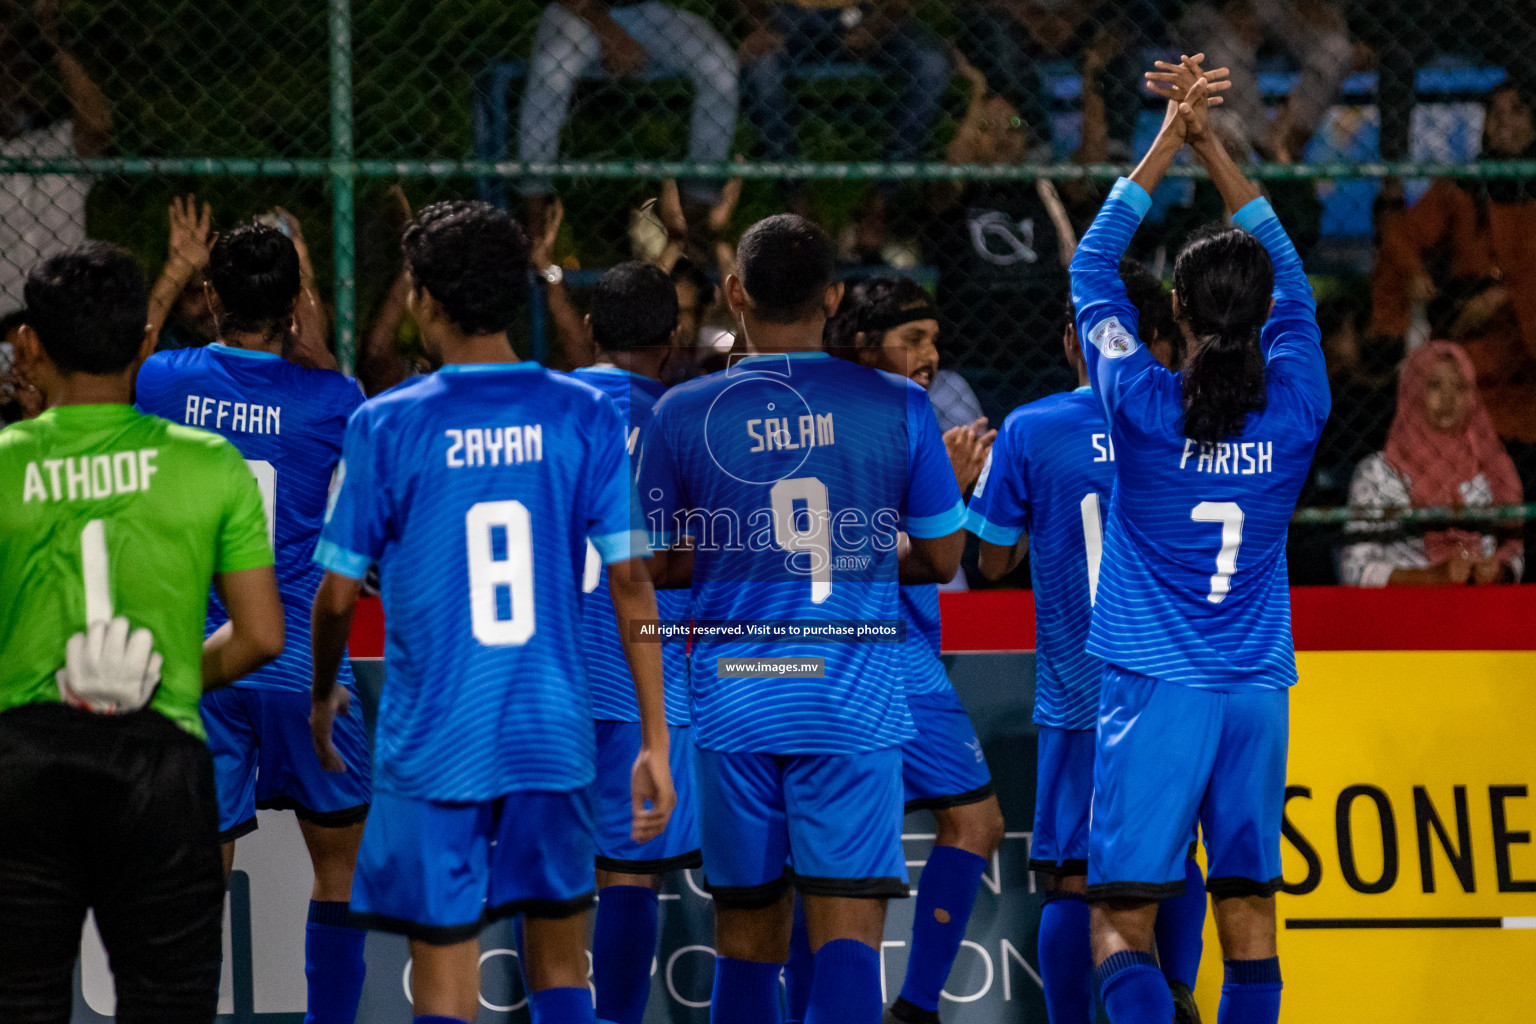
(552, 274)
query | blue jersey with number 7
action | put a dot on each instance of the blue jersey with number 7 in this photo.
(476, 489)
(794, 475)
(1193, 588)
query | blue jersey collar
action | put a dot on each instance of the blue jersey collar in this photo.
(243, 353)
(524, 365)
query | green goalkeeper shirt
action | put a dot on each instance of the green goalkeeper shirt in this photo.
(106, 512)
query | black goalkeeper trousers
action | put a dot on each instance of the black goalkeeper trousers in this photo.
(116, 815)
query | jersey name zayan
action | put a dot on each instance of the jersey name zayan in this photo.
(495, 446)
(89, 476)
(222, 415)
(774, 434)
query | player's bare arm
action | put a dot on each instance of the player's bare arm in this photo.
(1176, 83)
(930, 559)
(634, 600)
(998, 560)
(254, 634)
(330, 621)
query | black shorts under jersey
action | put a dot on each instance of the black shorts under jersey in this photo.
(115, 814)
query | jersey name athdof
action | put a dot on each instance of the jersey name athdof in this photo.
(1112, 339)
(1233, 458)
(241, 417)
(89, 476)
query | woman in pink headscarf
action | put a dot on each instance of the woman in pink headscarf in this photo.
(1442, 452)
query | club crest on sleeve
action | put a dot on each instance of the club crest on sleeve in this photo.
(1112, 339)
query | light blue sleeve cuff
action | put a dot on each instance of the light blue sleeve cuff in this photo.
(941, 525)
(1253, 213)
(1133, 195)
(341, 561)
(621, 547)
(1003, 536)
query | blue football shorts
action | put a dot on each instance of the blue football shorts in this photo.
(618, 744)
(943, 766)
(264, 757)
(440, 872)
(1063, 801)
(828, 824)
(1171, 756)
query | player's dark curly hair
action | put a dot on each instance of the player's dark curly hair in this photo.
(254, 270)
(786, 265)
(89, 307)
(634, 306)
(871, 308)
(473, 258)
(1154, 306)
(1223, 278)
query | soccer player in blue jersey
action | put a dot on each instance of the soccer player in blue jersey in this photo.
(476, 489)
(633, 320)
(1192, 614)
(1045, 490)
(890, 324)
(794, 474)
(288, 422)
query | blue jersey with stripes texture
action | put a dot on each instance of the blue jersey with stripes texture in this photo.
(794, 475)
(476, 490)
(613, 687)
(1049, 475)
(288, 422)
(1193, 588)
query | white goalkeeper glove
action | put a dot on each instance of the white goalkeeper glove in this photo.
(109, 669)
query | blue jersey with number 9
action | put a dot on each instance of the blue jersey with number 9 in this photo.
(794, 475)
(1193, 588)
(476, 489)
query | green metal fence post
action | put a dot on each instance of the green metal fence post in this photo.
(343, 173)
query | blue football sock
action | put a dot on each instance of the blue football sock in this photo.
(561, 1006)
(1133, 989)
(434, 1019)
(1251, 992)
(846, 989)
(1181, 927)
(623, 946)
(799, 971)
(333, 963)
(945, 894)
(746, 992)
(1066, 960)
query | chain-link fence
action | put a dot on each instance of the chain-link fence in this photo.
(964, 143)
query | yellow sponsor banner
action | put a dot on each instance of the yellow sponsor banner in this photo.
(1408, 851)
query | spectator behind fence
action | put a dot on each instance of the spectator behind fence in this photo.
(19, 398)
(1405, 34)
(1002, 250)
(621, 38)
(1231, 33)
(1007, 40)
(1465, 254)
(41, 215)
(787, 36)
(1441, 452)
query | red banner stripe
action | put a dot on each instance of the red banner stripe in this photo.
(1322, 619)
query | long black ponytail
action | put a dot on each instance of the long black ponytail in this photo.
(1223, 279)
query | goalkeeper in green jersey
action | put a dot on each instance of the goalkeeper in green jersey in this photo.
(112, 527)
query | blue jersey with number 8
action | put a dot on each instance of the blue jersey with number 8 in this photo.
(794, 475)
(1193, 588)
(476, 489)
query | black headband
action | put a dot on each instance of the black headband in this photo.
(879, 323)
